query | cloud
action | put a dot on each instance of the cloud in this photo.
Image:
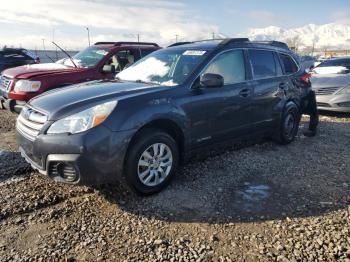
(266, 17)
(341, 16)
(155, 20)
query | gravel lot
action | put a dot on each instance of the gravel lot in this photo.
(263, 202)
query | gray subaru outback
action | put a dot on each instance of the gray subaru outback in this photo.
(163, 109)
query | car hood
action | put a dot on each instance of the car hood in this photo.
(30, 71)
(330, 80)
(69, 100)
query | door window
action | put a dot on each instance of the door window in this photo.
(121, 59)
(263, 63)
(230, 65)
(290, 66)
(145, 52)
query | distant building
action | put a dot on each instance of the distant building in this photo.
(336, 53)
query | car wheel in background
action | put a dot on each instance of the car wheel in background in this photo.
(151, 161)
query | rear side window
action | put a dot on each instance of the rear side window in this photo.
(290, 66)
(230, 65)
(16, 55)
(263, 63)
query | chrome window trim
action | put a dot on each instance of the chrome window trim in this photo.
(278, 52)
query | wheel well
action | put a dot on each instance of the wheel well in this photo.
(296, 102)
(167, 126)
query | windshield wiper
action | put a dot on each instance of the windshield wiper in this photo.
(145, 82)
(71, 59)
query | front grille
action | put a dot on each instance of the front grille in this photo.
(5, 83)
(344, 104)
(326, 90)
(320, 104)
(30, 122)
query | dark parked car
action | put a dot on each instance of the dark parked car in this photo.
(307, 61)
(100, 61)
(163, 109)
(331, 82)
(12, 57)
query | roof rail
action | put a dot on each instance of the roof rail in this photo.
(228, 41)
(126, 43)
(179, 43)
(274, 43)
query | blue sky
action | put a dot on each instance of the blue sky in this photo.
(26, 22)
(238, 16)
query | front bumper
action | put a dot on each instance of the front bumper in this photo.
(336, 103)
(14, 106)
(96, 156)
(14, 102)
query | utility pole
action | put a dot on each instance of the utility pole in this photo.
(213, 35)
(176, 38)
(138, 38)
(88, 33)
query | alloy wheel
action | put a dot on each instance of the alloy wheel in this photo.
(155, 164)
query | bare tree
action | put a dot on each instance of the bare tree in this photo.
(293, 43)
(308, 50)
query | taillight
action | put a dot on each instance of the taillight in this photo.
(306, 78)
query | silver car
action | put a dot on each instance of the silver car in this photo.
(331, 83)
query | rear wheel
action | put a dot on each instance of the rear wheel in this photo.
(151, 161)
(289, 124)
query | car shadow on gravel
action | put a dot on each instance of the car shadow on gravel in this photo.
(252, 183)
(12, 167)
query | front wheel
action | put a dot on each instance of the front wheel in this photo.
(289, 124)
(151, 161)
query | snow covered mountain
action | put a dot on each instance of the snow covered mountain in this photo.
(330, 36)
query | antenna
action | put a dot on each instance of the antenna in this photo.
(88, 34)
(45, 51)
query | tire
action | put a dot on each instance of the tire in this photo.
(151, 151)
(289, 124)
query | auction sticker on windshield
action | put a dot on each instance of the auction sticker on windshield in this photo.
(194, 52)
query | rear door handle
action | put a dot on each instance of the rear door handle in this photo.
(244, 92)
(283, 85)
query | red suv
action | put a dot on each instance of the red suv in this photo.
(100, 61)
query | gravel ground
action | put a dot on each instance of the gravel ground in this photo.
(263, 202)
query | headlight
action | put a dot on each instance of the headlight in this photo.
(27, 86)
(345, 90)
(83, 120)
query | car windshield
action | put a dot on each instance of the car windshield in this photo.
(87, 58)
(168, 67)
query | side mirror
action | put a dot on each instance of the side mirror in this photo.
(108, 69)
(211, 80)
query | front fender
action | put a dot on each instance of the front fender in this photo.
(137, 116)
